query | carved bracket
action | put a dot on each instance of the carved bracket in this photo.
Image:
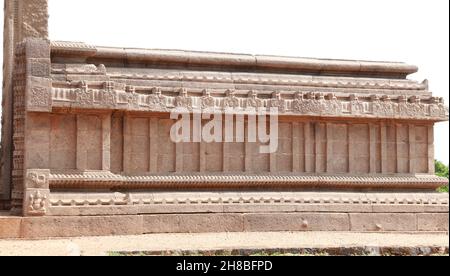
(302, 104)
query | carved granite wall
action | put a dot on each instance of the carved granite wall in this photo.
(139, 144)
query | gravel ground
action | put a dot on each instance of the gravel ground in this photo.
(218, 241)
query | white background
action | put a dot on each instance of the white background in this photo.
(412, 31)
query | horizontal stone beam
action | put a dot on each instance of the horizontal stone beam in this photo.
(257, 62)
(309, 104)
(109, 180)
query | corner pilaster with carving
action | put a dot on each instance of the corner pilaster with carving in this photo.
(32, 93)
(39, 85)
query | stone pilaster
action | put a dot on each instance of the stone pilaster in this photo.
(384, 148)
(106, 142)
(412, 148)
(309, 149)
(23, 19)
(431, 167)
(373, 148)
(295, 147)
(127, 144)
(154, 134)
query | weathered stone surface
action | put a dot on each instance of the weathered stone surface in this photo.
(383, 222)
(85, 225)
(296, 222)
(10, 227)
(193, 223)
(432, 222)
(81, 226)
(80, 120)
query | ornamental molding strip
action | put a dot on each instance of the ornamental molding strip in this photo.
(123, 97)
(70, 71)
(108, 180)
(254, 62)
(245, 198)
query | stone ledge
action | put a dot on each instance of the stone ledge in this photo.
(255, 62)
(52, 227)
(107, 180)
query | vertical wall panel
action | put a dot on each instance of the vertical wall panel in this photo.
(285, 148)
(421, 149)
(154, 145)
(38, 141)
(89, 142)
(166, 153)
(310, 148)
(391, 136)
(402, 148)
(321, 147)
(360, 148)
(140, 144)
(117, 144)
(63, 141)
(337, 153)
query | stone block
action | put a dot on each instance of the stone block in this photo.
(296, 222)
(44, 227)
(93, 211)
(180, 223)
(10, 227)
(383, 222)
(432, 222)
(37, 48)
(38, 94)
(39, 67)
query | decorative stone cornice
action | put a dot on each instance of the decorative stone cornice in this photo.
(231, 78)
(256, 62)
(241, 181)
(118, 97)
(72, 48)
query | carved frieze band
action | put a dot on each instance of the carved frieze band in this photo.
(109, 180)
(112, 96)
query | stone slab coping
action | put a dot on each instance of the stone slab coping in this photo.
(253, 62)
(332, 243)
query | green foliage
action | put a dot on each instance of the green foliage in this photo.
(443, 189)
(442, 171)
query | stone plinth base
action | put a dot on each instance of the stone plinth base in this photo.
(146, 213)
(49, 227)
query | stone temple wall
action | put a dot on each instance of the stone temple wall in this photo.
(86, 134)
(141, 144)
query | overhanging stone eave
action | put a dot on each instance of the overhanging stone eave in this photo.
(247, 62)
